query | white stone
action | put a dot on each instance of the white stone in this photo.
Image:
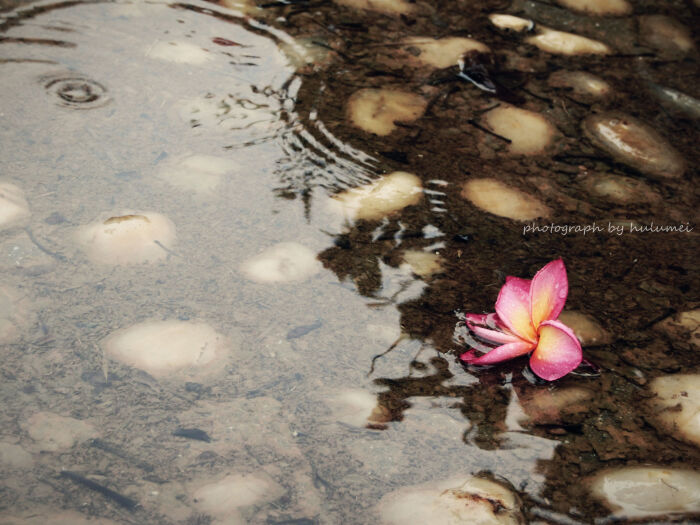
(510, 22)
(373, 201)
(391, 7)
(677, 405)
(587, 329)
(580, 82)
(357, 408)
(14, 209)
(637, 492)
(475, 501)
(169, 348)
(376, 110)
(598, 7)
(179, 52)
(529, 132)
(13, 313)
(201, 174)
(683, 324)
(138, 237)
(423, 263)
(495, 197)
(222, 499)
(15, 456)
(282, 263)
(634, 143)
(443, 52)
(544, 406)
(621, 190)
(666, 34)
(562, 43)
(53, 432)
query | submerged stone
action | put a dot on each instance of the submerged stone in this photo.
(443, 52)
(475, 501)
(179, 52)
(169, 348)
(580, 82)
(51, 516)
(53, 432)
(199, 173)
(677, 405)
(13, 313)
(562, 43)
(665, 34)
(529, 132)
(14, 456)
(358, 408)
(587, 329)
(377, 110)
(140, 237)
(495, 197)
(549, 406)
(510, 22)
(14, 209)
(281, 263)
(391, 7)
(684, 325)
(640, 492)
(222, 499)
(634, 143)
(423, 264)
(598, 7)
(619, 189)
(373, 201)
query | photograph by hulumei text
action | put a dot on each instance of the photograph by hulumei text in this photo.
(611, 227)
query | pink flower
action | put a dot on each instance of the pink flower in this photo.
(525, 321)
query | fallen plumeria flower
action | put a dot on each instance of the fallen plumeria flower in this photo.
(525, 321)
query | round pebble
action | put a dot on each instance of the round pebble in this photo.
(635, 144)
(665, 34)
(580, 83)
(620, 190)
(562, 43)
(511, 23)
(179, 52)
(222, 499)
(495, 197)
(169, 348)
(139, 237)
(587, 329)
(475, 501)
(14, 209)
(201, 174)
(373, 201)
(641, 492)
(598, 7)
(423, 264)
(282, 263)
(529, 132)
(684, 325)
(358, 408)
(376, 110)
(677, 405)
(443, 52)
(53, 432)
(390, 7)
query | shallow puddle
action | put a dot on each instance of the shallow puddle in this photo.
(227, 297)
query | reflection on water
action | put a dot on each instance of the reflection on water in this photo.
(191, 334)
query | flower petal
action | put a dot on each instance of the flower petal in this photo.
(558, 351)
(498, 354)
(513, 308)
(548, 292)
(494, 335)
